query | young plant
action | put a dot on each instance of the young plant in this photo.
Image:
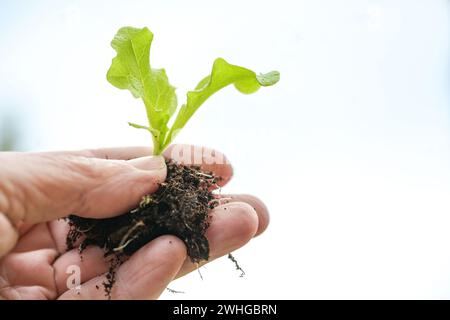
(181, 206)
(131, 70)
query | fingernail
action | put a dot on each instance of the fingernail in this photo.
(149, 163)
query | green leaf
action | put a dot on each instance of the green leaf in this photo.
(222, 75)
(154, 132)
(131, 70)
(268, 79)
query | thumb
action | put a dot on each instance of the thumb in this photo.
(42, 187)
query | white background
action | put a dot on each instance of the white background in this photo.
(350, 151)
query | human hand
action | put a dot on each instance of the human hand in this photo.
(36, 189)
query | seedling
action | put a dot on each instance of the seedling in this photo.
(131, 70)
(182, 204)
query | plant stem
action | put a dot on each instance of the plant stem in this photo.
(156, 147)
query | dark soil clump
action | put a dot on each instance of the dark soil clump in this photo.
(179, 207)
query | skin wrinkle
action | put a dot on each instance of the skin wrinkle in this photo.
(87, 174)
(162, 263)
(126, 288)
(5, 285)
(55, 243)
(46, 255)
(99, 185)
(125, 291)
(147, 273)
(4, 199)
(84, 175)
(51, 258)
(21, 196)
(4, 202)
(48, 293)
(95, 178)
(58, 254)
(39, 194)
(82, 196)
(13, 207)
(143, 184)
(18, 194)
(4, 282)
(9, 232)
(46, 290)
(124, 284)
(19, 293)
(9, 292)
(35, 191)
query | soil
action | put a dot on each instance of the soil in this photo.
(179, 207)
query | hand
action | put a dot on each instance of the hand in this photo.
(36, 189)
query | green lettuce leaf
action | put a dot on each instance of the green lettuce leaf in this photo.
(222, 75)
(131, 70)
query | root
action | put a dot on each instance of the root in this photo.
(238, 267)
(125, 240)
(123, 246)
(198, 270)
(174, 291)
(204, 175)
(86, 230)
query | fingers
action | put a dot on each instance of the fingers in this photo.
(92, 263)
(257, 204)
(42, 187)
(38, 237)
(28, 269)
(8, 235)
(144, 276)
(232, 226)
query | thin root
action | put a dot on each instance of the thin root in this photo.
(198, 270)
(238, 267)
(204, 175)
(125, 240)
(174, 291)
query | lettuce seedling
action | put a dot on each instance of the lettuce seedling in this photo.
(131, 70)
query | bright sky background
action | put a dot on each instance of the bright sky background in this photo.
(350, 151)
